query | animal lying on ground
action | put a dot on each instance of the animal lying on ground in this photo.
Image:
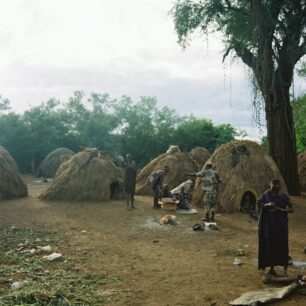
(167, 219)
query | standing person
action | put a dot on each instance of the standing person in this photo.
(129, 181)
(210, 180)
(273, 249)
(155, 181)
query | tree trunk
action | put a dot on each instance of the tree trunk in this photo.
(281, 135)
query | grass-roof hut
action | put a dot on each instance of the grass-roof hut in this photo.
(179, 163)
(11, 184)
(245, 171)
(52, 162)
(302, 170)
(87, 176)
(200, 155)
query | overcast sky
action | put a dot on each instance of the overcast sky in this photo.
(50, 48)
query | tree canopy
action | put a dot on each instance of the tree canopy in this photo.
(118, 126)
(269, 36)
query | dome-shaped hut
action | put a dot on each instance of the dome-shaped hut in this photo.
(11, 184)
(87, 176)
(179, 163)
(245, 171)
(200, 155)
(302, 170)
(52, 162)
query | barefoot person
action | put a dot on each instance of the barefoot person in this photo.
(155, 181)
(210, 181)
(273, 207)
(129, 181)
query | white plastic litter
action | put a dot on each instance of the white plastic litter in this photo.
(237, 261)
(299, 263)
(53, 256)
(18, 285)
(33, 251)
(46, 248)
(211, 226)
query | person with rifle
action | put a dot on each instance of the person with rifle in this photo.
(210, 181)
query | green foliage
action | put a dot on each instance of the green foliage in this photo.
(47, 283)
(264, 143)
(302, 70)
(4, 104)
(245, 24)
(194, 132)
(299, 113)
(119, 126)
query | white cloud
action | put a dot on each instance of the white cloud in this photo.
(125, 47)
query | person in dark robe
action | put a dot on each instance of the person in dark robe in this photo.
(155, 182)
(129, 181)
(273, 207)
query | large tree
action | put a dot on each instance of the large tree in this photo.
(269, 36)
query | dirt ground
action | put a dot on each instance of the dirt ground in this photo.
(156, 265)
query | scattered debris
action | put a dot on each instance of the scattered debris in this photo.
(198, 227)
(18, 285)
(237, 261)
(211, 226)
(53, 256)
(298, 263)
(262, 296)
(83, 232)
(46, 248)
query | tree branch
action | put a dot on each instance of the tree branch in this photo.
(245, 54)
(229, 7)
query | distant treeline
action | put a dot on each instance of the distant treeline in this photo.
(118, 126)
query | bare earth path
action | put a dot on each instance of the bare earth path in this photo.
(182, 268)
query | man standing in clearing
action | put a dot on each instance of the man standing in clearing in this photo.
(273, 249)
(155, 181)
(129, 181)
(210, 180)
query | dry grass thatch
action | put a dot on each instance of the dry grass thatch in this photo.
(87, 176)
(178, 162)
(302, 170)
(11, 184)
(200, 155)
(52, 162)
(252, 173)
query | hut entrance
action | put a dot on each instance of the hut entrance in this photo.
(248, 202)
(114, 189)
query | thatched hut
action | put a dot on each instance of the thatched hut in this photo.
(200, 155)
(52, 162)
(302, 170)
(11, 184)
(87, 176)
(178, 162)
(245, 171)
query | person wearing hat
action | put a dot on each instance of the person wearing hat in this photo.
(210, 180)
